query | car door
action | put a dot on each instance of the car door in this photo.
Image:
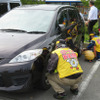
(62, 19)
(76, 31)
(57, 33)
(81, 26)
(73, 21)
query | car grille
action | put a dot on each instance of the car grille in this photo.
(20, 80)
(1, 81)
(1, 59)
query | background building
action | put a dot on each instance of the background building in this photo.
(65, 2)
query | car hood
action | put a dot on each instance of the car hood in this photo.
(11, 42)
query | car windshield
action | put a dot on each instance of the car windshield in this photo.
(32, 21)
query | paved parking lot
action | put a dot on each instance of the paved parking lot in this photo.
(91, 93)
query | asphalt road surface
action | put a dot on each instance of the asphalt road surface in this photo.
(89, 86)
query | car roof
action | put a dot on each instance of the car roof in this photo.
(43, 7)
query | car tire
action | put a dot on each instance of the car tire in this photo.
(80, 48)
(44, 84)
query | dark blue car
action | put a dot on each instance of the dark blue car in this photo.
(24, 32)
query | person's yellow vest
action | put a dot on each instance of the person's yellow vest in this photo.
(68, 63)
(97, 43)
(75, 25)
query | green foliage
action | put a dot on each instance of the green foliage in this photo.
(24, 2)
(95, 29)
(86, 35)
(86, 3)
(97, 4)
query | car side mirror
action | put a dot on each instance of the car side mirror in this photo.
(62, 27)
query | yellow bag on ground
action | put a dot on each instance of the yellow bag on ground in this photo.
(89, 55)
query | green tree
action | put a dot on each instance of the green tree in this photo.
(86, 3)
(97, 4)
(32, 2)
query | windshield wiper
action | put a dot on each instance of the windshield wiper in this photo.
(13, 30)
(37, 32)
(19, 30)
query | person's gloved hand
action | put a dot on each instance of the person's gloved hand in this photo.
(84, 49)
(86, 23)
(76, 49)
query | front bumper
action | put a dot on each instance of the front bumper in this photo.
(14, 77)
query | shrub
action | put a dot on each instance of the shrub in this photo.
(86, 35)
(32, 2)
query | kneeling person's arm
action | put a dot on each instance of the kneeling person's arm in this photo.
(52, 63)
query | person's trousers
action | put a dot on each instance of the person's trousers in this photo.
(55, 82)
(90, 26)
(98, 55)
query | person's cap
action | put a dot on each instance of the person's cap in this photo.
(92, 34)
(44, 48)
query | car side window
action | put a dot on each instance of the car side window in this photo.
(80, 16)
(13, 5)
(73, 21)
(62, 18)
(73, 17)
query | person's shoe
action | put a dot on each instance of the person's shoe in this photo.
(74, 91)
(98, 60)
(59, 95)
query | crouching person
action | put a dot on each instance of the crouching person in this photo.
(64, 69)
(95, 42)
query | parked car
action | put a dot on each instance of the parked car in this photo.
(7, 5)
(24, 32)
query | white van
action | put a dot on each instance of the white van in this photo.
(7, 5)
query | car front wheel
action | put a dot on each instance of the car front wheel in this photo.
(80, 48)
(44, 84)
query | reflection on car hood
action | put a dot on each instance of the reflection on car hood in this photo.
(11, 42)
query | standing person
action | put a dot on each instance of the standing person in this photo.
(92, 17)
(64, 69)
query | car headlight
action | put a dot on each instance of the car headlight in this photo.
(26, 56)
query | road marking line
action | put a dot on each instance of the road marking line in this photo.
(86, 81)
